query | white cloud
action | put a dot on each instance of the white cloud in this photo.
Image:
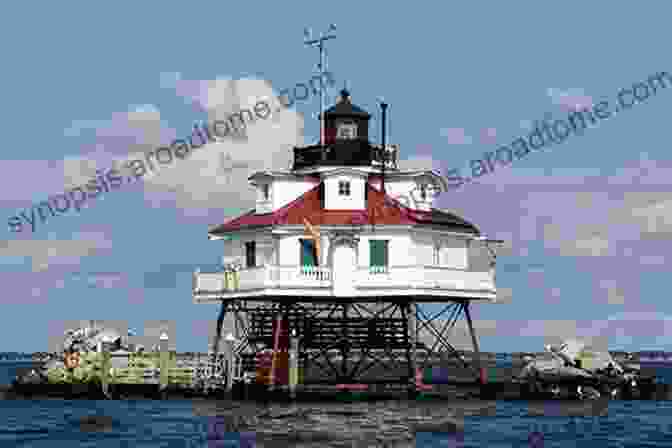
(46, 253)
(455, 136)
(570, 99)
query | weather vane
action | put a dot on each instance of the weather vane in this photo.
(321, 66)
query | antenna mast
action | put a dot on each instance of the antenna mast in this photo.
(321, 66)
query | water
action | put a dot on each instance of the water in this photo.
(173, 424)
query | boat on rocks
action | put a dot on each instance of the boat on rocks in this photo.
(98, 363)
(573, 370)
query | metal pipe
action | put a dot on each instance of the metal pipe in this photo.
(276, 349)
(294, 364)
(218, 331)
(383, 107)
(411, 328)
(320, 44)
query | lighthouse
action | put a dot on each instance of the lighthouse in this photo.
(346, 251)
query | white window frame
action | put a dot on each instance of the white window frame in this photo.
(350, 131)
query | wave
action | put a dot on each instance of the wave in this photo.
(14, 356)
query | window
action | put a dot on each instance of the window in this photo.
(423, 192)
(343, 188)
(308, 252)
(250, 252)
(266, 191)
(378, 256)
(346, 131)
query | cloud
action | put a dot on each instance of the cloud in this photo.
(456, 136)
(53, 264)
(420, 163)
(615, 295)
(31, 181)
(595, 332)
(488, 136)
(47, 253)
(423, 149)
(611, 224)
(621, 328)
(217, 173)
(571, 100)
(195, 92)
(25, 181)
(212, 175)
(553, 295)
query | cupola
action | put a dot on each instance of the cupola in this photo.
(345, 122)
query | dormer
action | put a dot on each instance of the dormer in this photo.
(414, 189)
(275, 189)
(344, 189)
(425, 192)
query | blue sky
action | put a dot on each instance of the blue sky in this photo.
(586, 221)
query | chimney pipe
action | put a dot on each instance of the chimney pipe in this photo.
(383, 107)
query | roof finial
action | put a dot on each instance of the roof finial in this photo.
(345, 93)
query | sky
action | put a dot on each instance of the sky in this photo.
(585, 221)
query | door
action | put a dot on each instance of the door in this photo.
(344, 265)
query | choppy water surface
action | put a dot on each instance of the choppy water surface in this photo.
(57, 423)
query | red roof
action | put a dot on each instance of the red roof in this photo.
(381, 210)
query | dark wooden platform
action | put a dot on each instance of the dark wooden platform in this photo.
(499, 391)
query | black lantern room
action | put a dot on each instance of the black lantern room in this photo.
(346, 138)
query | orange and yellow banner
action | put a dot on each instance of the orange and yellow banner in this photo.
(313, 232)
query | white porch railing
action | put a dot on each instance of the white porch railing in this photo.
(307, 277)
(424, 277)
(318, 273)
(299, 276)
(263, 277)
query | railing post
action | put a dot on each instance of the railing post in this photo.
(106, 372)
(163, 361)
(293, 364)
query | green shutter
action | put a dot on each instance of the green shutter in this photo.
(378, 251)
(308, 254)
